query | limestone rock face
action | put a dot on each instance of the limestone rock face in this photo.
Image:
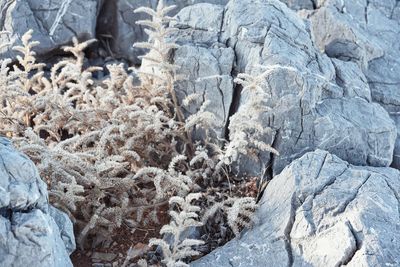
(118, 21)
(321, 211)
(54, 22)
(367, 33)
(32, 233)
(316, 101)
(207, 73)
(300, 4)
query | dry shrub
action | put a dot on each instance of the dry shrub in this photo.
(115, 150)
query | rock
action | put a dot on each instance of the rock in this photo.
(32, 232)
(117, 24)
(199, 24)
(365, 32)
(300, 4)
(54, 22)
(103, 257)
(321, 211)
(206, 72)
(396, 154)
(65, 227)
(353, 81)
(316, 101)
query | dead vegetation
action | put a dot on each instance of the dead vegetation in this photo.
(115, 152)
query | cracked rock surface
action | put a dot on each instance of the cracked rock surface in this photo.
(321, 211)
(365, 32)
(317, 101)
(206, 72)
(118, 20)
(54, 23)
(32, 233)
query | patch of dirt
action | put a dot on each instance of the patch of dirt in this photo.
(135, 240)
(123, 239)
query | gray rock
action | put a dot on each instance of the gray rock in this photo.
(199, 24)
(103, 257)
(365, 32)
(54, 22)
(321, 211)
(32, 232)
(65, 227)
(300, 4)
(20, 184)
(206, 72)
(351, 78)
(396, 154)
(117, 21)
(316, 102)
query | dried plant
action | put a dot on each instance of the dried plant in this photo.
(245, 128)
(239, 212)
(181, 248)
(113, 152)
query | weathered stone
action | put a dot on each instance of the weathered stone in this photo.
(316, 102)
(300, 4)
(396, 154)
(206, 72)
(103, 257)
(199, 24)
(321, 211)
(353, 81)
(117, 21)
(32, 233)
(54, 23)
(365, 32)
(65, 226)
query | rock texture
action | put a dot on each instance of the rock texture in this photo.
(367, 33)
(54, 22)
(32, 233)
(300, 4)
(117, 21)
(331, 61)
(321, 211)
(206, 72)
(316, 101)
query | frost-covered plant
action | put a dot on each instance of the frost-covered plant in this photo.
(181, 248)
(115, 151)
(245, 128)
(239, 212)
(155, 67)
(89, 140)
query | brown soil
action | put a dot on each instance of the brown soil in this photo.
(123, 239)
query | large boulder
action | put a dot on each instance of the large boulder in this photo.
(321, 211)
(32, 233)
(367, 33)
(117, 24)
(54, 23)
(316, 101)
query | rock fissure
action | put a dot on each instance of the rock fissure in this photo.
(269, 168)
(396, 195)
(366, 12)
(345, 204)
(288, 229)
(358, 244)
